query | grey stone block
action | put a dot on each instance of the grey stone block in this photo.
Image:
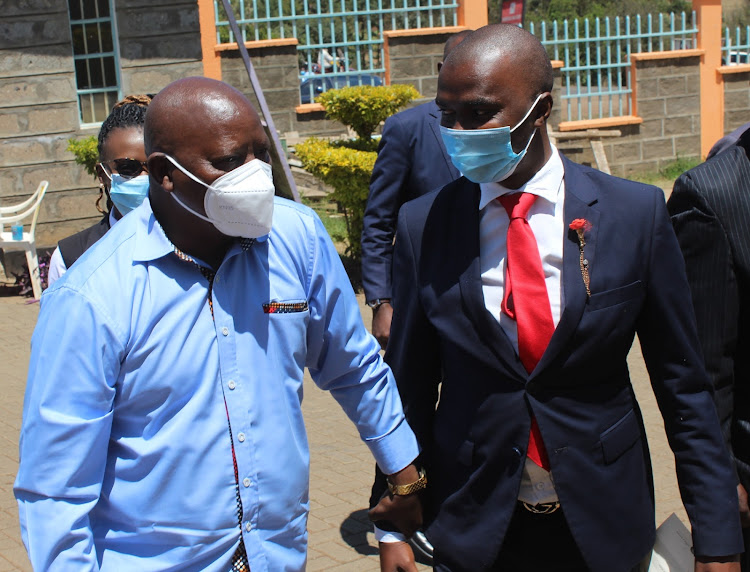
(737, 100)
(684, 105)
(153, 79)
(736, 118)
(687, 146)
(53, 8)
(159, 22)
(58, 118)
(171, 48)
(647, 88)
(410, 68)
(652, 108)
(31, 90)
(21, 151)
(651, 128)
(39, 29)
(672, 86)
(38, 60)
(684, 125)
(624, 152)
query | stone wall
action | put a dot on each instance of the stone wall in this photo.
(159, 42)
(414, 60)
(667, 94)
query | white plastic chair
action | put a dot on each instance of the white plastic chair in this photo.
(17, 213)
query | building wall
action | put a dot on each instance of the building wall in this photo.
(159, 42)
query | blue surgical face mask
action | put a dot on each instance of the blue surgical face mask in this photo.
(485, 155)
(127, 194)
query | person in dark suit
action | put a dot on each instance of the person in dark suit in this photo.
(727, 141)
(510, 355)
(412, 161)
(710, 209)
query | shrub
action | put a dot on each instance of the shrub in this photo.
(86, 152)
(348, 171)
(347, 165)
(363, 107)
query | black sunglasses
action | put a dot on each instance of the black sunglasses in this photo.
(127, 168)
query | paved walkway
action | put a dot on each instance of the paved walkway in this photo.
(341, 466)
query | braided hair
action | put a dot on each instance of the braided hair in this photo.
(128, 112)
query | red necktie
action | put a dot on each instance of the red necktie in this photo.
(526, 299)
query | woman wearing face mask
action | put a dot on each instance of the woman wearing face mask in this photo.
(122, 174)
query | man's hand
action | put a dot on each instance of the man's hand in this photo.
(396, 557)
(744, 508)
(717, 564)
(381, 323)
(404, 511)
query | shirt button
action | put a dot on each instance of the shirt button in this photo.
(231, 384)
(225, 331)
(246, 482)
(241, 437)
(540, 486)
(248, 526)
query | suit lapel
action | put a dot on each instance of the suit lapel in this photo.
(580, 199)
(470, 283)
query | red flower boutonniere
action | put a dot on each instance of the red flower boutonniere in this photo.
(581, 226)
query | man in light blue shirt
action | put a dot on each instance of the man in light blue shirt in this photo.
(162, 424)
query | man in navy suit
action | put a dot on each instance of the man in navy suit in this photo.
(544, 467)
(412, 161)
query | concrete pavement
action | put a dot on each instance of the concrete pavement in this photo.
(341, 466)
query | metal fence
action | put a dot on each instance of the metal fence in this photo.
(596, 55)
(736, 48)
(340, 41)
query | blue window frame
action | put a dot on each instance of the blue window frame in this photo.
(96, 57)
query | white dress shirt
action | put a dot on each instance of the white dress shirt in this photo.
(547, 222)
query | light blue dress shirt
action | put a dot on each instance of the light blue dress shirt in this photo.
(126, 460)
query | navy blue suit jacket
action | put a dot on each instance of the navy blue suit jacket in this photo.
(474, 442)
(412, 161)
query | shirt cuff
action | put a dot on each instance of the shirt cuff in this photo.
(387, 536)
(395, 450)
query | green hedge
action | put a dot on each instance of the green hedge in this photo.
(348, 171)
(86, 152)
(363, 107)
(347, 165)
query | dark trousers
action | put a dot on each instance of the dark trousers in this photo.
(539, 543)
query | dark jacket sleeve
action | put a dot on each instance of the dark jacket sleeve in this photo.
(713, 284)
(671, 349)
(412, 352)
(388, 184)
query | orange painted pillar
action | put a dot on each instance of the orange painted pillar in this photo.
(708, 13)
(472, 13)
(207, 21)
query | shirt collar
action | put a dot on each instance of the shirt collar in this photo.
(545, 183)
(150, 241)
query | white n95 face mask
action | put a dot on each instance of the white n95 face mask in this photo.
(240, 202)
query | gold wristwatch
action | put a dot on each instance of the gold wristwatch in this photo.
(403, 490)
